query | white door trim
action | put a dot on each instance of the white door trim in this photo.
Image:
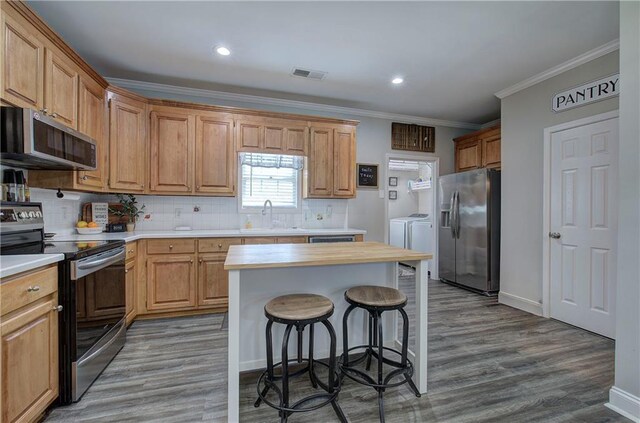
(546, 198)
(428, 158)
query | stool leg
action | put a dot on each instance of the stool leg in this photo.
(405, 348)
(378, 319)
(269, 363)
(285, 373)
(332, 370)
(345, 336)
(312, 375)
(299, 330)
(371, 344)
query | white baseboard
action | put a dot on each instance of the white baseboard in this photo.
(520, 303)
(624, 403)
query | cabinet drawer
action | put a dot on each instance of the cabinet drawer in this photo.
(259, 240)
(217, 245)
(170, 246)
(132, 250)
(28, 288)
(292, 240)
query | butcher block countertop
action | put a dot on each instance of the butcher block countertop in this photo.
(321, 254)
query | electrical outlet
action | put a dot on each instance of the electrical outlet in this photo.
(177, 212)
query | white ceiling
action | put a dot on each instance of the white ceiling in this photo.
(453, 55)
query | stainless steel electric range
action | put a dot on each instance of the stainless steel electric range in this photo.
(91, 291)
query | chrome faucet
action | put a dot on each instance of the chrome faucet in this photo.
(264, 212)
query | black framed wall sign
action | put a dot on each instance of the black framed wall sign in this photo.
(367, 175)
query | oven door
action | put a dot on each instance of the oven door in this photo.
(100, 315)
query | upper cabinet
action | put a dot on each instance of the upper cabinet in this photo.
(92, 120)
(171, 142)
(478, 150)
(127, 143)
(22, 76)
(215, 169)
(61, 90)
(331, 164)
(271, 135)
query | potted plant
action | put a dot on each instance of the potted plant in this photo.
(129, 210)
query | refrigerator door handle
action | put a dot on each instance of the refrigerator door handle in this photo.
(409, 235)
(452, 216)
(458, 214)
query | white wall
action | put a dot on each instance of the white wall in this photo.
(625, 395)
(407, 202)
(367, 210)
(524, 116)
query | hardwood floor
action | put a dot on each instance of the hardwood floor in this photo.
(487, 363)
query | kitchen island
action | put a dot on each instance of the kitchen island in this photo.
(258, 273)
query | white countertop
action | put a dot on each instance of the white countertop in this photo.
(11, 265)
(134, 236)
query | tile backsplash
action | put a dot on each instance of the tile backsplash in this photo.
(167, 212)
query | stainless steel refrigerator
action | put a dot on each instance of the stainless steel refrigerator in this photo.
(469, 230)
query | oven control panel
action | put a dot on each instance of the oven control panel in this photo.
(20, 216)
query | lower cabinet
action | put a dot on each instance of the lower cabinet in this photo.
(213, 280)
(171, 282)
(130, 290)
(29, 348)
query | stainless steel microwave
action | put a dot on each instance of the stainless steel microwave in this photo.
(33, 140)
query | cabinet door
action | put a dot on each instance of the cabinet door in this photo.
(171, 282)
(491, 150)
(213, 280)
(172, 141)
(215, 155)
(274, 139)
(92, 121)
(468, 155)
(61, 90)
(127, 145)
(29, 357)
(320, 169)
(130, 290)
(295, 140)
(22, 65)
(249, 136)
(344, 163)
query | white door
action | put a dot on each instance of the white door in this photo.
(584, 224)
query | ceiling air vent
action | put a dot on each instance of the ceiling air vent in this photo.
(308, 74)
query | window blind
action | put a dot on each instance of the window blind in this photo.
(278, 184)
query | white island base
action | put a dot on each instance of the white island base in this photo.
(258, 273)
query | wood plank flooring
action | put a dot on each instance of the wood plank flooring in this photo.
(487, 363)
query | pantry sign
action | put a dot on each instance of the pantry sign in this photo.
(587, 93)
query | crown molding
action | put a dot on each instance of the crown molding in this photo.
(563, 67)
(490, 124)
(254, 99)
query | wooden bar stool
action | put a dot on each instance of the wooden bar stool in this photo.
(375, 300)
(299, 311)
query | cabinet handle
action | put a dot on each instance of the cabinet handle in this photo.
(45, 110)
(57, 308)
(170, 247)
(200, 261)
(197, 186)
(131, 251)
(191, 261)
(54, 115)
(142, 186)
(126, 270)
(84, 178)
(33, 288)
(219, 245)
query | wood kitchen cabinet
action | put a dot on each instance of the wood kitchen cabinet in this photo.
(61, 90)
(172, 141)
(92, 121)
(22, 73)
(29, 345)
(130, 291)
(331, 165)
(271, 135)
(215, 159)
(171, 282)
(213, 280)
(478, 150)
(127, 142)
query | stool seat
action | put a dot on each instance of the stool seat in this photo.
(376, 296)
(299, 307)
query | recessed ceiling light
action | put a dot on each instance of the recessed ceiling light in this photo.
(397, 80)
(223, 51)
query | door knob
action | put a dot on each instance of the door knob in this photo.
(554, 235)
